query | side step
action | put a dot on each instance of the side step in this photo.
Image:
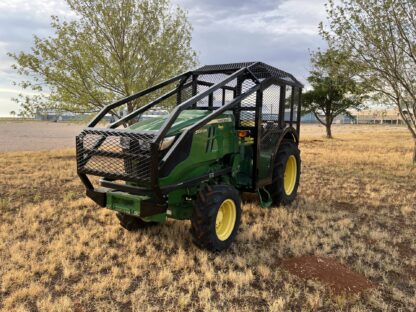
(264, 198)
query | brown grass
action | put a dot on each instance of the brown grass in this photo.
(357, 203)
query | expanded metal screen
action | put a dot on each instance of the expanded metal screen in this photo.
(114, 154)
(270, 108)
(247, 116)
(216, 99)
(204, 102)
(270, 134)
(186, 91)
(296, 105)
(270, 115)
(215, 78)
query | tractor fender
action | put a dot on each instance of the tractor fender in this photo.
(289, 134)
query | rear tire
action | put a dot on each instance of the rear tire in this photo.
(131, 223)
(216, 217)
(286, 174)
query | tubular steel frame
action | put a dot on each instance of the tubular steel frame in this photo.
(261, 74)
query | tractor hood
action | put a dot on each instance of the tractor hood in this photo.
(185, 119)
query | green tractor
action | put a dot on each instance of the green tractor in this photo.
(192, 145)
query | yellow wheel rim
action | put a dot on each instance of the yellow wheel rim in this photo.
(291, 170)
(225, 221)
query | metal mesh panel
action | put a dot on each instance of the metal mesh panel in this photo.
(230, 68)
(271, 98)
(270, 115)
(288, 101)
(217, 98)
(229, 96)
(205, 82)
(248, 116)
(204, 101)
(250, 101)
(269, 135)
(296, 107)
(114, 154)
(260, 69)
(186, 93)
(215, 78)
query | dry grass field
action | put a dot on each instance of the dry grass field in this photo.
(357, 204)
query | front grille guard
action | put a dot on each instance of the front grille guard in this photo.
(115, 154)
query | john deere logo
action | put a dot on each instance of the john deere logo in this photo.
(201, 131)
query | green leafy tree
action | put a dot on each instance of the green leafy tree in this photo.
(111, 50)
(12, 113)
(334, 88)
(381, 35)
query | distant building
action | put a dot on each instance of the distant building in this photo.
(340, 119)
(55, 115)
(389, 116)
(309, 118)
(375, 115)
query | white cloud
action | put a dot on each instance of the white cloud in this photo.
(295, 17)
(278, 32)
(36, 8)
(19, 21)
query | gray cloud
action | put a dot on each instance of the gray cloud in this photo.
(287, 51)
(19, 21)
(17, 30)
(221, 9)
(231, 5)
(277, 32)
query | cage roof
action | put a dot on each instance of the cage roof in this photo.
(259, 69)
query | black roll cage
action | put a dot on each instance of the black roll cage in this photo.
(261, 74)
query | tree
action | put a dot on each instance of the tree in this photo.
(381, 35)
(13, 113)
(334, 88)
(113, 49)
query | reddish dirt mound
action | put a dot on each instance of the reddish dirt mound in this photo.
(328, 271)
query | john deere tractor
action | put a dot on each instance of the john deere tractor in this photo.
(188, 147)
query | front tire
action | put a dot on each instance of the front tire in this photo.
(286, 174)
(216, 217)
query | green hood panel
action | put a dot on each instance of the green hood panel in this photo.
(185, 119)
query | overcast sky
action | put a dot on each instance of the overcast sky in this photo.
(277, 32)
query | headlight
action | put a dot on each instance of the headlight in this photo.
(166, 143)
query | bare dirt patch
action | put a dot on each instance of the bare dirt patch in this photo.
(338, 277)
(36, 136)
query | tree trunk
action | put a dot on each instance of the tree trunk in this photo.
(130, 109)
(328, 131)
(328, 124)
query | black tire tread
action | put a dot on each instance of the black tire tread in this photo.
(276, 189)
(204, 216)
